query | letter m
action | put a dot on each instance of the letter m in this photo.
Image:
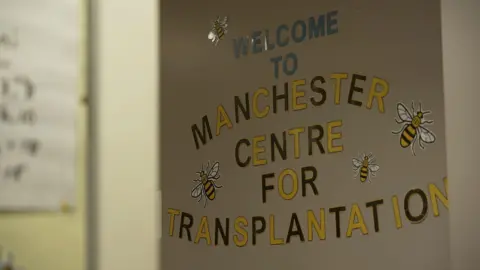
(316, 28)
(203, 135)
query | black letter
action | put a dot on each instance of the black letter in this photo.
(219, 229)
(337, 211)
(279, 97)
(354, 88)
(186, 226)
(196, 132)
(255, 230)
(319, 90)
(297, 230)
(239, 105)
(316, 140)
(423, 214)
(275, 144)
(309, 181)
(375, 212)
(237, 150)
(265, 188)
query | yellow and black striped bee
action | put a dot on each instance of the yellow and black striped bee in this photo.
(219, 29)
(206, 186)
(413, 125)
(366, 167)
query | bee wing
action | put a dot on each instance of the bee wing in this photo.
(426, 135)
(197, 191)
(374, 168)
(403, 113)
(214, 170)
(356, 163)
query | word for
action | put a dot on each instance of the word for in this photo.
(308, 177)
(307, 226)
(259, 146)
(264, 102)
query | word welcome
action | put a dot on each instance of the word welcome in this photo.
(307, 226)
(264, 40)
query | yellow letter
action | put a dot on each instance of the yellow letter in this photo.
(296, 140)
(338, 84)
(203, 231)
(312, 222)
(396, 212)
(240, 223)
(281, 189)
(378, 95)
(356, 215)
(222, 119)
(296, 93)
(256, 111)
(333, 136)
(258, 149)
(273, 239)
(172, 213)
(435, 193)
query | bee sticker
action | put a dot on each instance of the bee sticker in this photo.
(206, 187)
(218, 31)
(366, 167)
(413, 129)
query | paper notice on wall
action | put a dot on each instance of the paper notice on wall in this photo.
(38, 90)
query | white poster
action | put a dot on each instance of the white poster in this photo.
(38, 89)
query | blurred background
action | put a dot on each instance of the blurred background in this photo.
(104, 224)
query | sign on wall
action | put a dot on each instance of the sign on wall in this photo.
(38, 84)
(306, 134)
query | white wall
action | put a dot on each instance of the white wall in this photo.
(125, 98)
(461, 43)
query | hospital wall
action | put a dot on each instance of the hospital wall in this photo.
(126, 188)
